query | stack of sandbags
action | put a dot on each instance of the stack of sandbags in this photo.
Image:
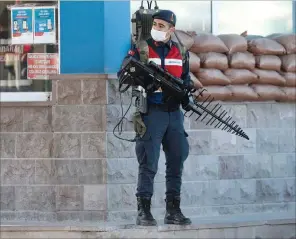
(209, 93)
(183, 37)
(288, 63)
(210, 51)
(268, 63)
(288, 41)
(194, 62)
(187, 40)
(288, 69)
(232, 67)
(289, 73)
(241, 64)
(197, 83)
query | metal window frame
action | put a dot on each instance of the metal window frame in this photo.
(214, 21)
(25, 96)
(294, 15)
(33, 96)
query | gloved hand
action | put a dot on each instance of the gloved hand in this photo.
(185, 101)
(188, 84)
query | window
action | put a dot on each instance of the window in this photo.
(257, 17)
(191, 15)
(28, 49)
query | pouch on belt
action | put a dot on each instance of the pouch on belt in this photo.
(139, 126)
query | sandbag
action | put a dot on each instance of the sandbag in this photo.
(213, 60)
(212, 77)
(268, 62)
(221, 93)
(242, 93)
(268, 92)
(206, 42)
(242, 60)
(290, 78)
(265, 46)
(289, 62)
(273, 35)
(251, 37)
(240, 76)
(234, 42)
(185, 38)
(269, 77)
(194, 62)
(288, 41)
(191, 33)
(290, 93)
(197, 83)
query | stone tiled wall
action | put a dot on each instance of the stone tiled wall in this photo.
(224, 174)
(62, 162)
(53, 158)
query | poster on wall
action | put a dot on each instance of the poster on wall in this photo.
(44, 25)
(21, 25)
(42, 65)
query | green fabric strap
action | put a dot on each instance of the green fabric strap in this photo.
(143, 51)
(139, 126)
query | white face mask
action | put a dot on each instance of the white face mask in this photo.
(158, 35)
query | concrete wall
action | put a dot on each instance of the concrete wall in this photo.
(62, 162)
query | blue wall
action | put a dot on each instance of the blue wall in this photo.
(117, 34)
(95, 36)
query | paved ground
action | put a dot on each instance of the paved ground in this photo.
(282, 226)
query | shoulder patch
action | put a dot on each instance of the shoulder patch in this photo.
(131, 52)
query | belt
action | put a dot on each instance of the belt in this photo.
(165, 107)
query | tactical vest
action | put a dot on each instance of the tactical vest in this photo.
(171, 63)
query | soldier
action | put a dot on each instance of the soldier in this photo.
(164, 124)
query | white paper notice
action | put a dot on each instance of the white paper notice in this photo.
(21, 25)
(44, 25)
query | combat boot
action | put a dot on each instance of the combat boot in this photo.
(174, 214)
(145, 217)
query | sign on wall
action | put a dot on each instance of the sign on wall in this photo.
(6, 49)
(33, 25)
(42, 65)
(21, 25)
(44, 25)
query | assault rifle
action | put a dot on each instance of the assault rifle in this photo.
(151, 77)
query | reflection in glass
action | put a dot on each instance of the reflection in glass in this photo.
(191, 15)
(17, 62)
(257, 17)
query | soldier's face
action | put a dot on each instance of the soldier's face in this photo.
(161, 25)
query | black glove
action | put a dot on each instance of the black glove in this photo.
(185, 101)
(188, 85)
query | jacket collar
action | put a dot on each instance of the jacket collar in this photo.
(168, 44)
